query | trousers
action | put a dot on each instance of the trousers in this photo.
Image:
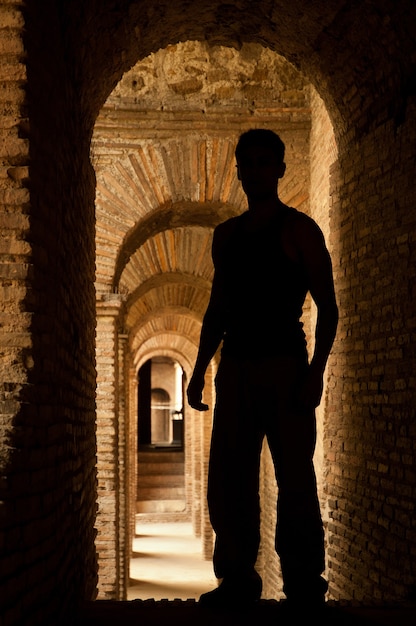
(258, 398)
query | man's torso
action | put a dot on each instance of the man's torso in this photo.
(264, 288)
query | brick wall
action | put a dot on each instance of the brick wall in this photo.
(16, 339)
(47, 330)
(371, 422)
(323, 154)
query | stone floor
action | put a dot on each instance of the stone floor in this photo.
(167, 562)
(167, 575)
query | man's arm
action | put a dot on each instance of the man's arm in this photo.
(211, 336)
(317, 263)
(212, 332)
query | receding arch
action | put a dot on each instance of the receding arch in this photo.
(184, 249)
(183, 352)
(169, 327)
(156, 281)
(170, 216)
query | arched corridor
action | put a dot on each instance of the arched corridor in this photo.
(159, 197)
(119, 121)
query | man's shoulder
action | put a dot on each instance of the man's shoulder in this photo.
(296, 215)
(224, 229)
(306, 236)
(300, 221)
(222, 235)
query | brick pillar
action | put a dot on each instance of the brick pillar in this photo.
(200, 424)
(110, 452)
(206, 430)
(131, 412)
(124, 538)
(194, 423)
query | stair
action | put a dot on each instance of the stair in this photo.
(160, 480)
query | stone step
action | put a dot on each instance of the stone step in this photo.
(160, 506)
(160, 481)
(161, 457)
(162, 469)
(156, 480)
(160, 493)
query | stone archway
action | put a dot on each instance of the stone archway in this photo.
(161, 189)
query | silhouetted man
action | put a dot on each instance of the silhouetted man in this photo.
(266, 260)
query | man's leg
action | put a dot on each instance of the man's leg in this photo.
(233, 484)
(299, 532)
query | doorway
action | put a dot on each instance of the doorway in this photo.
(160, 404)
(167, 559)
(160, 449)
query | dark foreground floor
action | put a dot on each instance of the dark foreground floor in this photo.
(265, 613)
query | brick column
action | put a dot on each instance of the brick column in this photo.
(124, 538)
(131, 446)
(193, 423)
(206, 430)
(110, 451)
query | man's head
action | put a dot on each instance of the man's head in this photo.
(260, 162)
(260, 137)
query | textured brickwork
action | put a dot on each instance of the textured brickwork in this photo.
(152, 219)
(323, 154)
(110, 488)
(47, 357)
(370, 434)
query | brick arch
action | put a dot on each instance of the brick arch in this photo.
(155, 281)
(216, 22)
(144, 191)
(305, 34)
(163, 324)
(156, 344)
(168, 217)
(186, 248)
(192, 291)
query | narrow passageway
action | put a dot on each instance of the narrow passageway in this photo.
(167, 562)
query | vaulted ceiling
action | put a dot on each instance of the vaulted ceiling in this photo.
(163, 152)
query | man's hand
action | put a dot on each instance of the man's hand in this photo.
(194, 393)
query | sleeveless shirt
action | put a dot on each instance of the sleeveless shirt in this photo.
(264, 292)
